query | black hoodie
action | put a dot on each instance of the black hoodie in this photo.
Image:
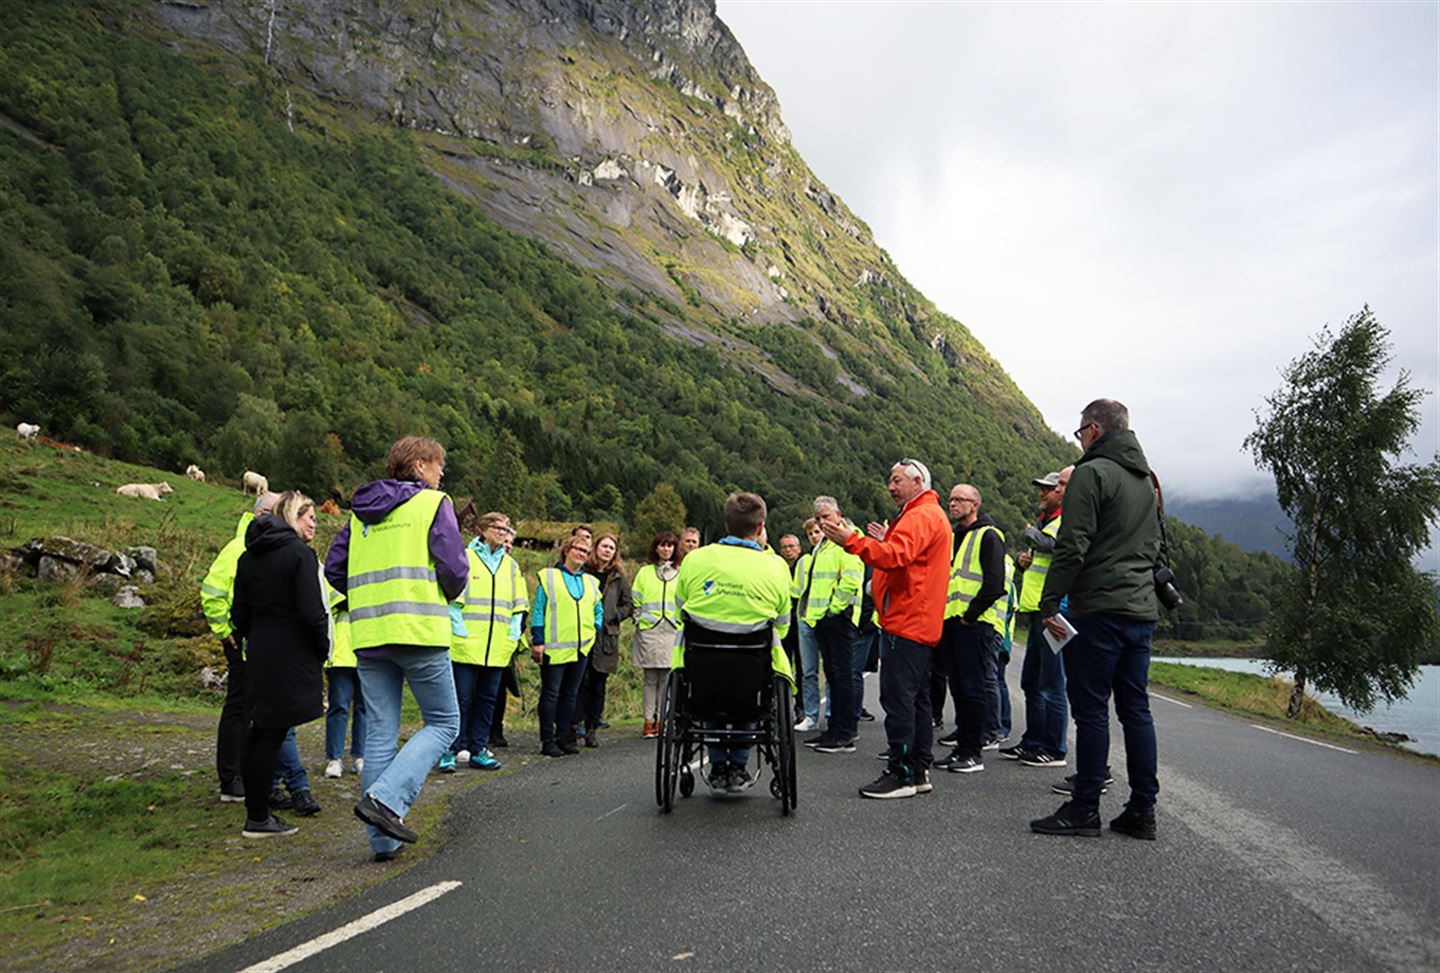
(280, 612)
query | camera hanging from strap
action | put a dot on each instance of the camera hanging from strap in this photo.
(1165, 589)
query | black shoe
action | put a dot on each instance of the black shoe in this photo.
(372, 812)
(815, 741)
(883, 754)
(304, 803)
(271, 827)
(835, 746)
(567, 747)
(1069, 820)
(952, 757)
(739, 777)
(719, 777)
(1013, 753)
(233, 792)
(498, 740)
(866, 716)
(922, 782)
(969, 764)
(387, 856)
(887, 786)
(1067, 786)
(993, 743)
(551, 749)
(1040, 758)
(280, 801)
(950, 739)
(1140, 826)
(603, 725)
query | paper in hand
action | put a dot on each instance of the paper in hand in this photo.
(1056, 644)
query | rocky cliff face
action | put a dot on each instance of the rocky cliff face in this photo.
(635, 138)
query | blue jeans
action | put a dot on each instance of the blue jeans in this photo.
(738, 756)
(290, 770)
(1042, 677)
(559, 690)
(476, 688)
(344, 682)
(1111, 653)
(394, 779)
(998, 726)
(809, 670)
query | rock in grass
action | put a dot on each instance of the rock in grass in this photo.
(128, 597)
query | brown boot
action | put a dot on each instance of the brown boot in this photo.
(590, 740)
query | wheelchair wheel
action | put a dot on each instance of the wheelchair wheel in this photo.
(783, 786)
(687, 782)
(668, 746)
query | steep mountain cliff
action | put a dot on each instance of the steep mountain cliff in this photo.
(233, 215)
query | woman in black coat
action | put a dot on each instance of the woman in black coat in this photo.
(281, 613)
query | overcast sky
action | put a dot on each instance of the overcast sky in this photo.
(1160, 203)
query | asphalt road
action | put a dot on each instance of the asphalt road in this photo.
(1273, 854)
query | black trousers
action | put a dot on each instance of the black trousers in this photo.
(939, 680)
(969, 651)
(262, 753)
(837, 654)
(905, 697)
(230, 735)
(592, 696)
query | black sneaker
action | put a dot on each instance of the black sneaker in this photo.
(719, 777)
(551, 749)
(304, 803)
(815, 741)
(950, 739)
(1067, 786)
(280, 801)
(372, 812)
(567, 748)
(1135, 825)
(271, 827)
(1069, 820)
(739, 777)
(883, 754)
(498, 740)
(836, 746)
(952, 757)
(993, 744)
(1013, 753)
(386, 856)
(888, 785)
(866, 716)
(233, 792)
(967, 765)
(922, 782)
(1039, 758)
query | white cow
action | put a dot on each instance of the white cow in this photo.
(145, 491)
(195, 473)
(27, 430)
(254, 482)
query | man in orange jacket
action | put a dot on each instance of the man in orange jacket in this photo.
(911, 558)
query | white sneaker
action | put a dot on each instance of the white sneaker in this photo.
(805, 725)
(333, 769)
(359, 764)
(462, 756)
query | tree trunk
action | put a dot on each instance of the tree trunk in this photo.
(1297, 695)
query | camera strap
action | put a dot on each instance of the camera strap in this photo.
(1160, 516)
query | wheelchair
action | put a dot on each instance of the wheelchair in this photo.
(727, 683)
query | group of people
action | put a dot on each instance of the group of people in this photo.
(402, 599)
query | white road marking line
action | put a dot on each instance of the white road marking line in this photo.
(616, 811)
(1292, 736)
(352, 929)
(1175, 701)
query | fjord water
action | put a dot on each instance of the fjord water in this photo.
(1417, 715)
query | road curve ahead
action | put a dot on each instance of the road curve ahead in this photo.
(1274, 853)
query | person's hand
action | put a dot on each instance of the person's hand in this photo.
(228, 643)
(877, 531)
(537, 653)
(835, 529)
(965, 621)
(1024, 559)
(1054, 626)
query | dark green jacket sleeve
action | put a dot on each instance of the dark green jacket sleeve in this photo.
(1077, 530)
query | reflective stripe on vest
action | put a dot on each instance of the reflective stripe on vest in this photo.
(1032, 579)
(490, 602)
(967, 577)
(395, 596)
(569, 622)
(828, 565)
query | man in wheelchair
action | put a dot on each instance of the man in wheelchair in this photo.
(734, 601)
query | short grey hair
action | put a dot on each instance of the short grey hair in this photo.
(915, 468)
(823, 503)
(265, 502)
(1107, 414)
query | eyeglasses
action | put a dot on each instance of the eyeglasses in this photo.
(963, 500)
(1077, 432)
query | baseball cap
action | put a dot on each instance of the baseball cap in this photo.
(1048, 480)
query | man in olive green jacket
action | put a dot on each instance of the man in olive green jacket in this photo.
(1105, 559)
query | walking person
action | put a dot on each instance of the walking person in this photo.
(342, 682)
(401, 561)
(284, 619)
(492, 618)
(618, 602)
(568, 615)
(911, 557)
(657, 623)
(1105, 558)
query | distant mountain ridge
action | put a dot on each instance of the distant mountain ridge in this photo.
(1256, 524)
